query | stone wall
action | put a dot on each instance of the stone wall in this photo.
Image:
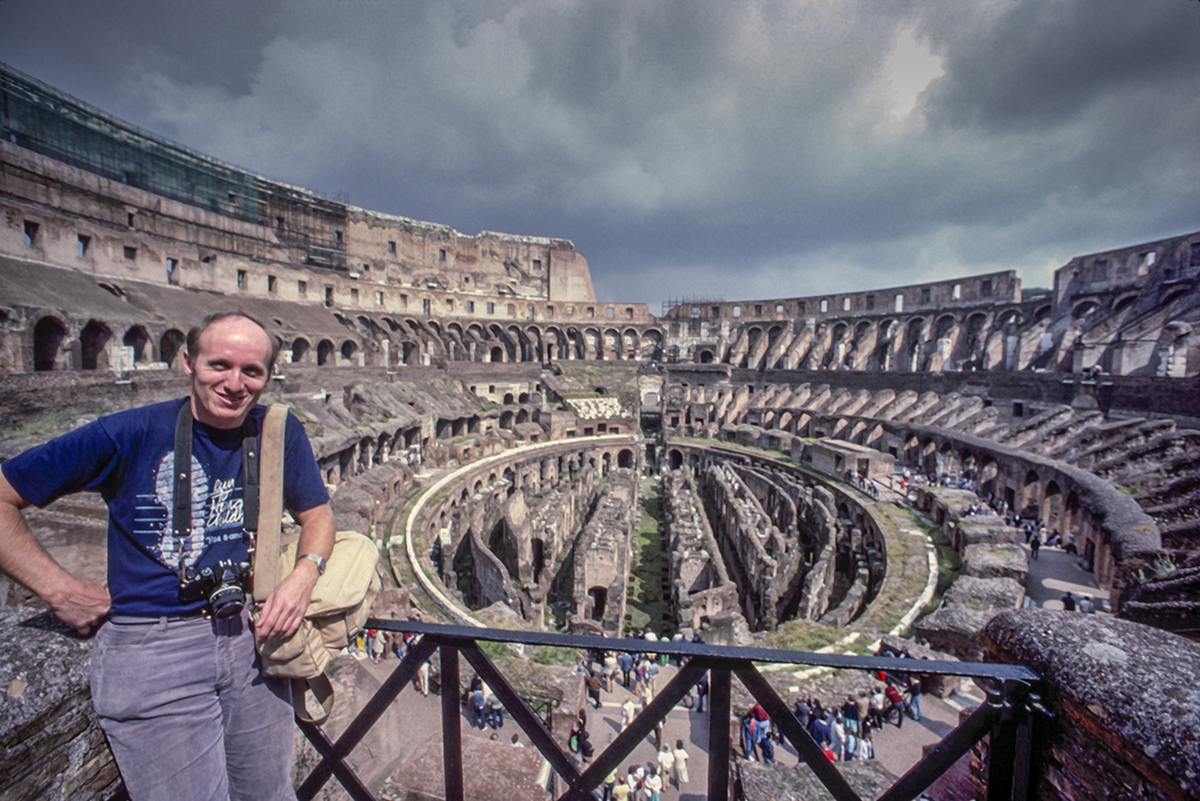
(53, 747)
(1125, 701)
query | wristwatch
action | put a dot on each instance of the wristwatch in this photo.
(320, 561)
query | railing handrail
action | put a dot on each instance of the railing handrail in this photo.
(987, 670)
(1007, 715)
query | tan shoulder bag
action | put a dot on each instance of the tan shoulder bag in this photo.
(341, 600)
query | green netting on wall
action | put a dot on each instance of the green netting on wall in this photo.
(42, 119)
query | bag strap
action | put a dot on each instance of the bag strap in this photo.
(322, 689)
(267, 567)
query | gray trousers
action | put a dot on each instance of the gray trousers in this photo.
(187, 713)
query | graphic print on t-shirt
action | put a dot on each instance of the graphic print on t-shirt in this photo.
(216, 514)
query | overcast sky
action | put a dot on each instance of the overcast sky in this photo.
(714, 149)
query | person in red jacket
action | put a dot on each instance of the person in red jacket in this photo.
(897, 704)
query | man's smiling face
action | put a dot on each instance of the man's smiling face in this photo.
(228, 371)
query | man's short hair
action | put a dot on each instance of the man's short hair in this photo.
(193, 336)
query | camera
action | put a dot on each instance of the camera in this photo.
(223, 585)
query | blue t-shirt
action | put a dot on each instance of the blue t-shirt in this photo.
(129, 458)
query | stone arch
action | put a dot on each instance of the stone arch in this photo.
(1029, 493)
(913, 337)
(986, 479)
(1052, 506)
(48, 336)
(300, 348)
(625, 458)
(929, 457)
(324, 351)
(93, 346)
(170, 345)
(1125, 301)
(137, 338)
(629, 343)
(348, 349)
(597, 599)
(612, 343)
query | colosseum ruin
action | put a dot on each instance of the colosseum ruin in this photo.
(764, 471)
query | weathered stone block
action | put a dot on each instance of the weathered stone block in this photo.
(984, 594)
(996, 561)
(1126, 700)
(954, 631)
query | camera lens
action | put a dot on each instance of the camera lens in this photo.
(227, 600)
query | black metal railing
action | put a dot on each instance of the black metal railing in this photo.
(1007, 715)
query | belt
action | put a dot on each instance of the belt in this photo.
(138, 620)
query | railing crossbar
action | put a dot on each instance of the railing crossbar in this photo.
(366, 718)
(810, 752)
(952, 747)
(639, 728)
(521, 713)
(338, 767)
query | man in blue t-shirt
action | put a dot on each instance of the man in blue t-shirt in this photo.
(180, 697)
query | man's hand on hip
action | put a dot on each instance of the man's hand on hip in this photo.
(82, 604)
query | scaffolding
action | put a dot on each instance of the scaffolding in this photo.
(688, 300)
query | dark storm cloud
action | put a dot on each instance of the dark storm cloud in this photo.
(733, 149)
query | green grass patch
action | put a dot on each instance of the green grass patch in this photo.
(801, 635)
(554, 655)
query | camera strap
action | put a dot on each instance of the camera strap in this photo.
(181, 514)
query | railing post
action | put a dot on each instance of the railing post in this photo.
(451, 725)
(718, 734)
(1009, 748)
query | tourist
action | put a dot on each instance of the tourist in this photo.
(819, 730)
(653, 785)
(610, 782)
(768, 750)
(1086, 605)
(803, 713)
(850, 714)
(478, 706)
(593, 688)
(896, 701)
(423, 678)
(701, 692)
(1068, 602)
(837, 736)
(747, 732)
(207, 683)
(516, 741)
(1035, 545)
(864, 710)
(625, 661)
(610, 671)
(914, 696)
(1071, 549)
(620, 790)
(878, 704)
(666, 760)
(495, 710)
(628, 713)
(866, 748)
(680, 769)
